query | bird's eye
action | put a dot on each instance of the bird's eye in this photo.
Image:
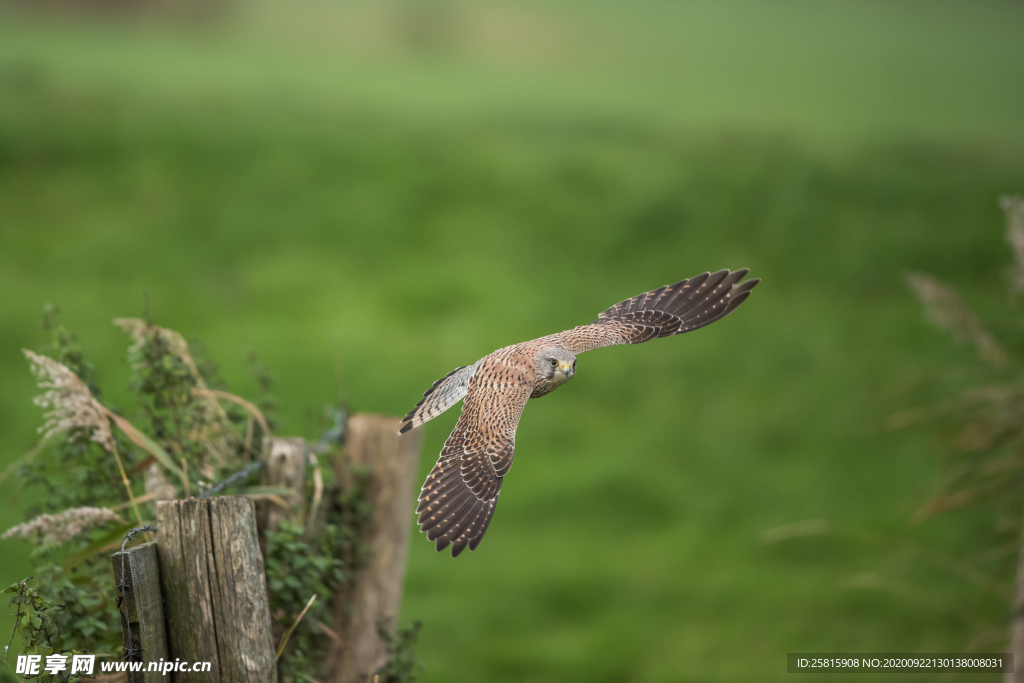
(554, 362)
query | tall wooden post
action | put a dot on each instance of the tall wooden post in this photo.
(215, 591)
(184, 548)
(373, 441)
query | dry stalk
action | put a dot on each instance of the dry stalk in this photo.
(284, 640)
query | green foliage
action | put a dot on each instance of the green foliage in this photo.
(319, 555)
(33, 619)
(296, 569)
(89, 619)
(298, 566)
(164, 384)
(182, 416)
(72, 469)
(349, 519)
(402, 665)
(75, 471)
(37, 622)
(65, 349)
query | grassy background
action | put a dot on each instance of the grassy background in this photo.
(397, 189)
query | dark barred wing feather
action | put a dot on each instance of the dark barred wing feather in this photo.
(673, 309)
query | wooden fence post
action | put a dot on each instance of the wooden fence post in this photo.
(183, 545)
(286, 459)
(241, 607)
(137, 582)
(215, 591)
(373, 441)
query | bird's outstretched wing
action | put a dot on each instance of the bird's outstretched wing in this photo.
(672, 309)
(460, 493)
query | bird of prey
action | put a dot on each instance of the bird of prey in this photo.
(459, 495)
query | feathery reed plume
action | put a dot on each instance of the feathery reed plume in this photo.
(56, 529)
(1013, 207)
(71, 405)
(947, 311)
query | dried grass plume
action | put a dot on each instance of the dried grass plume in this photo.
(71, 405)
(1013, 207)
(947, 311)
(60, 528)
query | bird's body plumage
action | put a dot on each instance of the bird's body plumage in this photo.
(461, 491)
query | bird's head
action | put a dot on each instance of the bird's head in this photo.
(556, 366)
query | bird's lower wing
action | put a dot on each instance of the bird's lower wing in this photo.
(672, 309)
(461, 491)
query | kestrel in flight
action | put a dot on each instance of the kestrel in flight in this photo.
(459, 495)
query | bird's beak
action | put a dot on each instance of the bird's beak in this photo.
(566, 369)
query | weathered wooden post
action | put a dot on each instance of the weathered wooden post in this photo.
(183, 543)
(137, 581)
(286, 459)
(373, 441)
(215, 592)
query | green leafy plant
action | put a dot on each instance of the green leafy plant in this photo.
(402, 665)
(296, 569)
(99, 471)
(36, 620)
(73, 466)
(302, 561)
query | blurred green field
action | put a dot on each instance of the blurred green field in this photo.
(335, 189)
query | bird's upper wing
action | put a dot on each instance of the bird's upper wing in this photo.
(672, 309)
(460, 493)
